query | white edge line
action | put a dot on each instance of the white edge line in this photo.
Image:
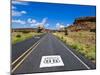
(75, 56)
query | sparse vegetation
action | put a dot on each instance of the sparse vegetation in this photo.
(82, 41)
(65, 30)
(20, 36)
(25, 31)
(83, 23)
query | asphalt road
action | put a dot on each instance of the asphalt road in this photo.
(20, 47)
(49, 45)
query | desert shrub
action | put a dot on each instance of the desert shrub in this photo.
(74, 46)
(80, 34)
(82, 42)
(91, 55)
(62, 37)
(25, 31)
(66, 31)
(18, 36)
(92, 30)
(64, 41)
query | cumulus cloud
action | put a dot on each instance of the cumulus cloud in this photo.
(37, 24)
(44, 20)
(32, 21)
(15, 12)
(19, 3)
(68, 25)
(23, 12)
(43, 23)
(13, 7)
(19, 21)
(47, 25)
(18, 13)
(58, 26)
(61, 26)
(32, 25)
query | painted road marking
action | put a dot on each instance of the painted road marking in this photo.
(51, 61)
(37, 43)
(74, 55)
(24, 58)
(23, 54)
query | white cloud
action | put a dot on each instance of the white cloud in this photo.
(13, 7)
(32, 25)
(43, 23)
(61, 26)
(58, 26)
(47, 24)
(15, 12)
(23, 12)
(68, 25)
(18, 13)
(19, 21)
(32, 21)
(37, 24)
(19, 3)
(44, 20)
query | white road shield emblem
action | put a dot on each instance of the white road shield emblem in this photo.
(50, 61)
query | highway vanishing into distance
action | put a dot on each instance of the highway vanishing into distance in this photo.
(46, 53)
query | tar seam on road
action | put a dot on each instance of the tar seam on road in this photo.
(37, 43)
(74, 55)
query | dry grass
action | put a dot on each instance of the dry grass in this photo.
(83, 42)
(24, 36)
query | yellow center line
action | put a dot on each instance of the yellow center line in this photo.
(23, 54)
(23, 59)
(35, 45)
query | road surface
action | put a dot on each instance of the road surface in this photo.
(49, 45)
(20, 47)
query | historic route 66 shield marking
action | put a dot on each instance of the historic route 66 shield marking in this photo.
(51, 61)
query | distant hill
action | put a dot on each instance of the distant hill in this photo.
(23, 29)
(83, 23)
(30, 30)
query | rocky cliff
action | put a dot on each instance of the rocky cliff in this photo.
(83, 23)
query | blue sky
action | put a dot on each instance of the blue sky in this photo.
(52, 16)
